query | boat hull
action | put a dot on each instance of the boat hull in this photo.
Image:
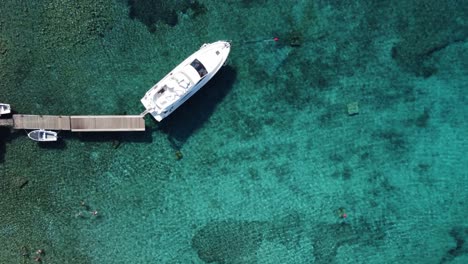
(185, 80)
(42, 135)
(5, 109)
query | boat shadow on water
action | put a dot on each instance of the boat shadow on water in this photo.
(5, 136)
(59, 144)
(192, 114)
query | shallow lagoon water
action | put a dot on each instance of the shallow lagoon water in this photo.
(268, 158)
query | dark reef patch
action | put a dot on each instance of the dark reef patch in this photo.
(420, 120)
(329, 237)
(345, 173)
(277, 149)
(423, 173)
(318, 72)
(252, 3)
(332, 116)
(425, 28)
(336, 157)
(317, 76)
(341, 159)
(379, 181)
(282, 172)
(423, 119)
(386, 97)
(254, 174)
(152, 12)
(423, 168)
(288, 230)
(194, 7)
(248, 125)
(76, 22)
(326, 118)
(460, 235)
(4, 47)
(395, 141)
(238, 241)
(228, 241)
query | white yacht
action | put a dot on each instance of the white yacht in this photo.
(5, 109)
(42, 135)
(185, 80)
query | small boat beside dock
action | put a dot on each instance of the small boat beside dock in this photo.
(5, 109)
(43, 135)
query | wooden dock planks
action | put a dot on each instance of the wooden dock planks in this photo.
(80, 123)
(6, 122)
(107, 123)
(49, 122)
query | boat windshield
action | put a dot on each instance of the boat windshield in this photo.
(198, 66)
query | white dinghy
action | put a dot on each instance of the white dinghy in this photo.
(43, 135)
(5, 109)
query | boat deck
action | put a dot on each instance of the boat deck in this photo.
(99, 123)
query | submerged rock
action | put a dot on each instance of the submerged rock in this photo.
(353, 108)
(19, 182)
(228, 241)
(3, 47)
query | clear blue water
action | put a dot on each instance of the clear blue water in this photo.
(263, 163)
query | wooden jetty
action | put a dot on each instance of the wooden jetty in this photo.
(41, 121)
(92, 123)
(6, 122)
(107, 123)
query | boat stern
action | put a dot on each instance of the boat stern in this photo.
(151, 108)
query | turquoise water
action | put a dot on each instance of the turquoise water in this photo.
(262, 164)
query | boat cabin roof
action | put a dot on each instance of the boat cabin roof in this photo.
(199, 67)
